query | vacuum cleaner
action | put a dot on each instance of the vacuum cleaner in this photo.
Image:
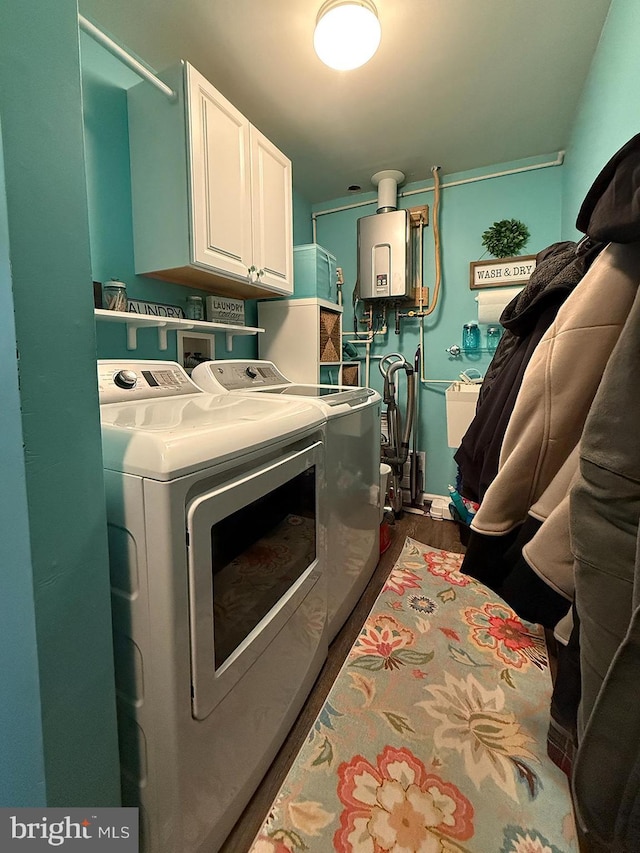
(395, 451)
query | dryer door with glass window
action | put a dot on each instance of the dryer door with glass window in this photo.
(253, 557)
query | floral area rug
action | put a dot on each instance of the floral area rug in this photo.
(433, 737)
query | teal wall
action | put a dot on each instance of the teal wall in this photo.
(48, 242)
(22, 767)
(302, 210)
(465, 212)
(609, 111)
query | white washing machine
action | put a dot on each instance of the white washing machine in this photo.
(219, 596)
(352, 453)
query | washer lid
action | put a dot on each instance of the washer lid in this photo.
(167, 438)
(249, 375)
(332, 395)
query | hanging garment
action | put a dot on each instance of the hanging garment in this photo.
(605, 515)
(526, 318)
(562, 735)
(556, 393)
(610, 212)
(539, 581)
(594, 705)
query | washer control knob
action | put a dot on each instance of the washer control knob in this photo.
(125, 379)
(251, 372)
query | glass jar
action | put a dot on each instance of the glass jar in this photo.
(115, 295)
(195, 308)
(470, 337)
(494, 333)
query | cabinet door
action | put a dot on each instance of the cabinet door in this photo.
(272, 214)
(220, 176)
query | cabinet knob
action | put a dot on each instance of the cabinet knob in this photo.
(253, 274)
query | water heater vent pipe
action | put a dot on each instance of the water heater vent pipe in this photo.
(387, 182)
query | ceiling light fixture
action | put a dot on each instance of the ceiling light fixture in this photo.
(347, 33)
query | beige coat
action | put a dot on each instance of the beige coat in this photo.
(548, 553)
(557, 391)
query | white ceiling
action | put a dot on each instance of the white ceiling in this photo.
(456, 83)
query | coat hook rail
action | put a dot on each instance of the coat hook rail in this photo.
(119, 52)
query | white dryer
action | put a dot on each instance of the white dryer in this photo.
(219, 598)
(352, 453)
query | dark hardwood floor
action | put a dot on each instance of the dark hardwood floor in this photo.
(439, 534)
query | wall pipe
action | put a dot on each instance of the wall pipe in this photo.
(557, 162)
(121, 54)
(367, 364)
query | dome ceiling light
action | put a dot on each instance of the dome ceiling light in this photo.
(347, 33)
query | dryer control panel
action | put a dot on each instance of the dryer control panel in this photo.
(241, 375)
(119, 381)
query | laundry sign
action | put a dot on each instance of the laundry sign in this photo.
(154, 309)
(501, 271)
(223, 310)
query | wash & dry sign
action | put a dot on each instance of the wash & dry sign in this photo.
(500, 272)
(108, 830)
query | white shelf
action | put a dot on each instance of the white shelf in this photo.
(134, 322)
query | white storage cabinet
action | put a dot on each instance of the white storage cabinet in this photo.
(212, 197)
(303, 338)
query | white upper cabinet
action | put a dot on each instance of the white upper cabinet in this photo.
(220, 177)
(212, 199)
(272, 213)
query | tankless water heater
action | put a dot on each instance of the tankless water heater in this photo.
(384, 255)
